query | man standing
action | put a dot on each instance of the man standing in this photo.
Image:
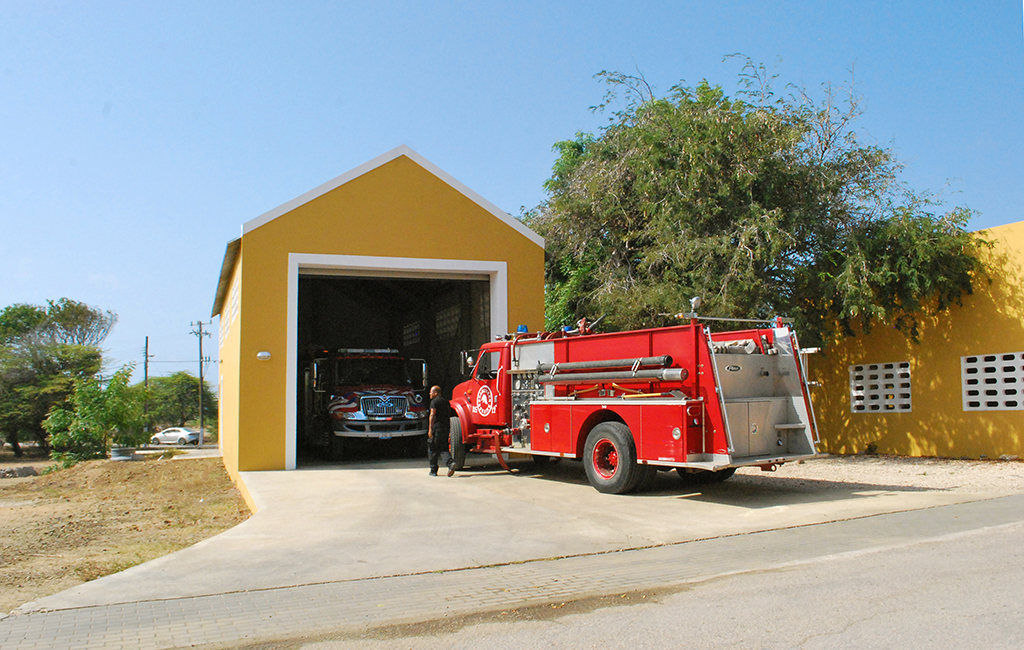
(438, 431)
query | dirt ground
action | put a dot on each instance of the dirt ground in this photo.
(64, 528)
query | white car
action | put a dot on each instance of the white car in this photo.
(176, 436)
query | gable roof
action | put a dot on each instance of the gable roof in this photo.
(383, 159)
(234, 246)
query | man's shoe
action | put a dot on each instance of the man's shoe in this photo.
(433, 472)
(451, 470)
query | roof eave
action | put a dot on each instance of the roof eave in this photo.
(227, 266)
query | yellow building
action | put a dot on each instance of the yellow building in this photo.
(396, 253)
(386, 255)
(958, 393)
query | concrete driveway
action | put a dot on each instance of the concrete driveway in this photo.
(389, 518)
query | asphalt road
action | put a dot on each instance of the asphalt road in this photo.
(380, 555)
(384, 518)
(958, 591)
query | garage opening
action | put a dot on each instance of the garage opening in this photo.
(361, 345)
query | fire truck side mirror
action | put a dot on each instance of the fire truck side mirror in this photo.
(318, 375)
(467, 363)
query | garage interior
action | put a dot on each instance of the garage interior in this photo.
(431, 318)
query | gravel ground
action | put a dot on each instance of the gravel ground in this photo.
(975, 476)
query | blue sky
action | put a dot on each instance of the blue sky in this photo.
(137, 137)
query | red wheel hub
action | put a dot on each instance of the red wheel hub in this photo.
(606, 458)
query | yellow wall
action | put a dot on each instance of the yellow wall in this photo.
(991, 321)
(422, 216)
(229, 341)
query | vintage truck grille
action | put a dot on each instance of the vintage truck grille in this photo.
(383, 406)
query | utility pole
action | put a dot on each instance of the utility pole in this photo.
(146, 356)
(145, 364)
(199, 332)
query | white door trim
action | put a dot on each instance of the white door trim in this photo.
(370, 266)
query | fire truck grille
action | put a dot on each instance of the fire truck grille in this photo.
(383, 406)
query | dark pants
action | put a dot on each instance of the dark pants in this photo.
(438, 446)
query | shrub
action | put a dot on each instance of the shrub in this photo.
(96, 416)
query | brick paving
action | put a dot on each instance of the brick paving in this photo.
(354, 605)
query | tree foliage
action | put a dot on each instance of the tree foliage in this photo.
(70, 322)
(18, 320)
(43, 350)
(96, 416)
(762, 205)
(174, 400)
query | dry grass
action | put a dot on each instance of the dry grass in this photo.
(61, 529)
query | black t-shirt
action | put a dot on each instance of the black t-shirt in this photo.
(442, 411)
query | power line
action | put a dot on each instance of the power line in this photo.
(185, 361)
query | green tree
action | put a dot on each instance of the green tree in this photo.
(43, 350)
(174, 401)
(762, 205)
(18, 320)
(70, 322)
(96, 416)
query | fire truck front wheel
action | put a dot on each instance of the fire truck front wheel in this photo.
(455, 444)
(609, 457)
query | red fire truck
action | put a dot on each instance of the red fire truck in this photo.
(630, 403)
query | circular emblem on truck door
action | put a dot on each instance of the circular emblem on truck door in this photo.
(484, 401)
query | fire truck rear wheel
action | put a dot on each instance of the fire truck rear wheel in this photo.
(701, 477)
(609, 457)
(724, 474)
(648, 475)
(455, 446)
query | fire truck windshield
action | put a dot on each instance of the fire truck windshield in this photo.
(361, 371)
(487, 364)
